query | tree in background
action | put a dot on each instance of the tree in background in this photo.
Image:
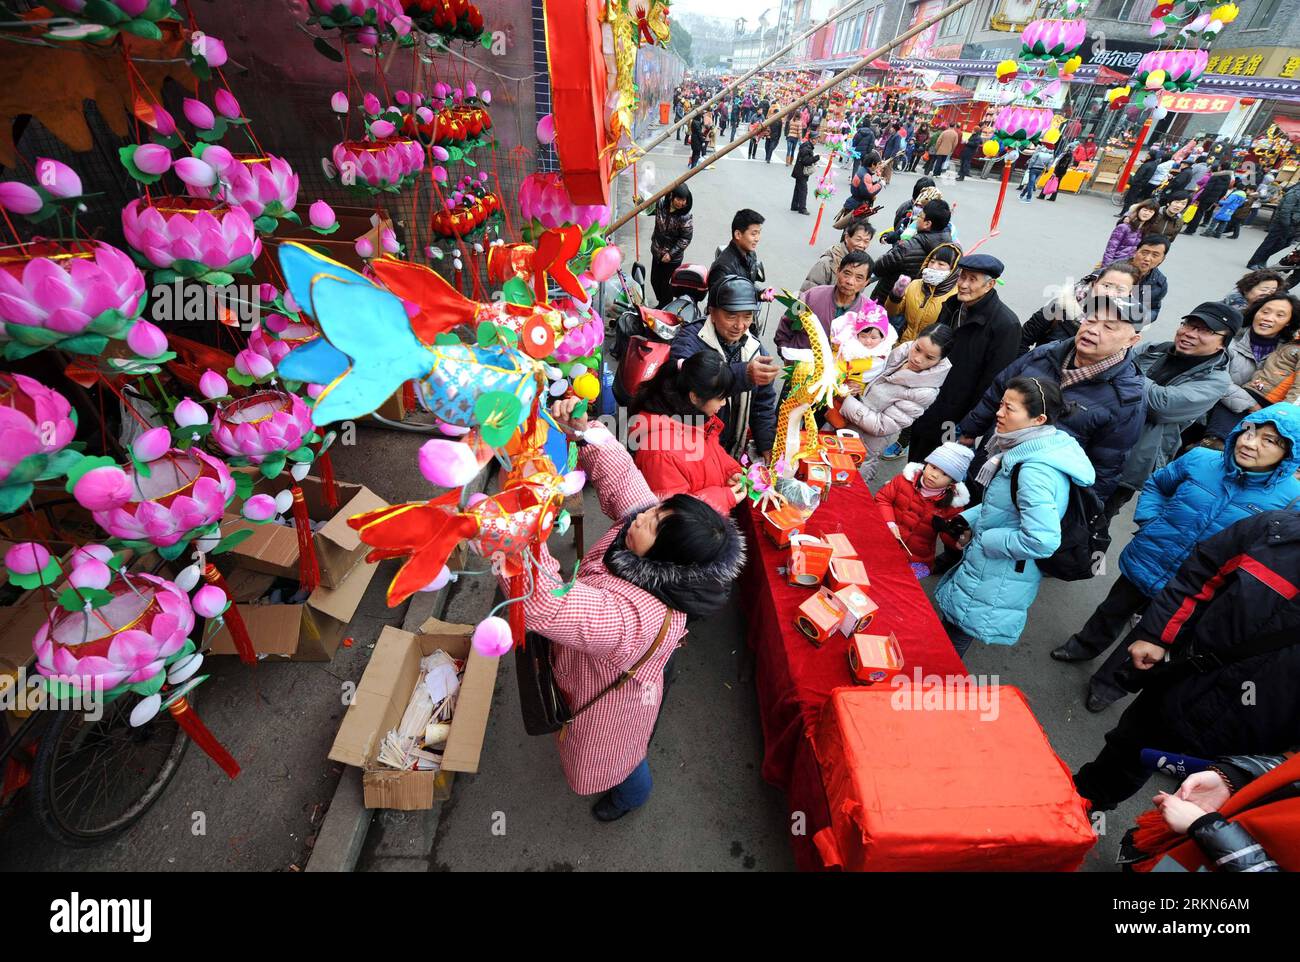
(680, 43)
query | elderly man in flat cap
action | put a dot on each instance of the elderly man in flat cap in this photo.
(987, 339)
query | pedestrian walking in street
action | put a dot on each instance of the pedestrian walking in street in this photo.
(1215, 189)
(987, 596)
(793, 134)
(1038, 161)
(697, 138)
(805, 165)
(1283, 229)
(948, 140)
(974, 145)
(674, 230)
(773, 136)
(624, 615)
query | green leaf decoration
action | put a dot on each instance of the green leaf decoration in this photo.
(266, 225)
(446, 339)
(510, 337)
(101, 11)
(497, 414)
(323, 47)
(293, 216)
(150, 687)
(243, 485)
(172, 552)
(231, 540)
(39, 579)
(84, 465)
(127, 156)
(303, 455)
(219, 278)
(74, 599)
(243, 380)
(142, 28)
(14, 496)
(16, 351)
(58, 464)
(487, 334)
(272, 464)
(486, 40)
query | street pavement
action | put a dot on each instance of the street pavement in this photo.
(710, 809)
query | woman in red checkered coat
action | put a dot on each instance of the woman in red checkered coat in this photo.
(659, 564)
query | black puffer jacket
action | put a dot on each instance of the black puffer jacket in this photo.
(673, 230)
(906, 258)
(1107, 415)
(733, 262)
(1235, 586)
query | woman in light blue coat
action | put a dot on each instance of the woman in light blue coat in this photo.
(987, 596)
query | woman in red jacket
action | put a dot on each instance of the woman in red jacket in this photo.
(674, 432)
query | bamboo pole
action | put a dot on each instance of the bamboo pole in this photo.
(736, 83)
(782, 114)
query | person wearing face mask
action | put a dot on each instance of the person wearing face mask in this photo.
(986, 336)
(987, 596)
(827, 302)
(673, 231)
(924, 297)
(899, 392)
(1058, 320)
(1099, 380)
(676, 429)
(857, 236)
(1185, 378)
(1269, 323)
(625, 614)
(751, 407)
(1186, 501)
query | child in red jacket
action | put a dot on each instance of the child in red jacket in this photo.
(675, 432)
(912, 500)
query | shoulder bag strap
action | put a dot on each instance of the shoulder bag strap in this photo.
(629, 673)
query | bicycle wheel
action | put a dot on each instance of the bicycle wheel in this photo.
(94, 779)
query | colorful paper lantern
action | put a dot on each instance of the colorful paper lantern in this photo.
(265, 187)
(190, 237)
(1019, 127)
(1182, 67)
(263, 425)
(1052, 39)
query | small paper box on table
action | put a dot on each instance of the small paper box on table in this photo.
(817, 474)
(841, 466)
(847, 441)
(381, 699)
(841, 543)
(821, 616)
(846, 572)
(783, 522)
(954, 778)
(874, 658)
(858, 609)
(809, 559)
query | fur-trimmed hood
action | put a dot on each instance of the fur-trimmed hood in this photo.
(697, 591)
(957, 497)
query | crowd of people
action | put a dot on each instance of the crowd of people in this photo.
(1022, 439)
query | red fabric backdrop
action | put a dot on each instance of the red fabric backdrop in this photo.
(794, 678)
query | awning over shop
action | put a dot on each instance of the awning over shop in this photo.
(1288, 125)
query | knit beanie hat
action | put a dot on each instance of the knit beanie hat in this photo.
(952, 459)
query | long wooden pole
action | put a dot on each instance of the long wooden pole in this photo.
(736, 83)
(782, 114)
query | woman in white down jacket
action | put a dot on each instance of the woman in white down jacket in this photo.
(907, 384)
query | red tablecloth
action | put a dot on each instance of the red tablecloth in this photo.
(794, 678)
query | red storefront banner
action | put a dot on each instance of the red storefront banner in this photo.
(1194, 103)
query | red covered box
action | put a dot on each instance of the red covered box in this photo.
(843, 572)
(874, 658)
(809, 559)
(783, 522)
(944, 778)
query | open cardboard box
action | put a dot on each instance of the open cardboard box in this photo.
(309, 631)
(273, 548)
(381, 699)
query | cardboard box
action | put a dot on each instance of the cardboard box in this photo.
(809, 559)
(844, 572)
(821, 616)
(381, 699)
(874, 658)
(273, 548)
(781, 523)
(841, 466)
(841, 544)
(858, 609)
(310, 631)
(816, 474)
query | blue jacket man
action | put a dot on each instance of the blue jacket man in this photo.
(1100, 382)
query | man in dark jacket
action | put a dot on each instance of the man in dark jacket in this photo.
(1152, 285)
(1101, 384)
(739, 258)
(804, 163)
(1216, 187)
(986, 337)
(1139, 185)
(1235, 588)
(864, 142)
(752, 403)
(1058, 319)
(907, 257)
(974, 145)
(697, 139)
(1283, 229)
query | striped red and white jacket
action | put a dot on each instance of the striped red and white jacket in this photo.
(600, 627)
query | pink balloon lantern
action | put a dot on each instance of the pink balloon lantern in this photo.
(492, 637)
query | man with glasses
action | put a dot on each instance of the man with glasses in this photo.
(1099, 380)
(1185, 378)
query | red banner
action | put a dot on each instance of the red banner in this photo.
(1194, 103)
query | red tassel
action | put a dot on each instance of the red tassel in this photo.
(821, 208)
(234, 620)
(1002, 195)
(308, 568)
(1153, 834)
(327, 480)
(515, 613)
(193, 726)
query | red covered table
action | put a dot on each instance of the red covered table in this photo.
(794, 678)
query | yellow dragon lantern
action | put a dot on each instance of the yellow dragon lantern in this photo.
(651, 18)
(624, 31)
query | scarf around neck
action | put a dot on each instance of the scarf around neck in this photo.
(1000, 444)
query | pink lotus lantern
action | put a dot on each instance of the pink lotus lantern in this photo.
(36, 424)
(581, 341)
(544, 200)
(262, 424)
(75, 296)
(190, 237)
(1021, 126)
(183, 497)
(376, 165)
(122, 645)
(265, 187)
(1053, 39)
(1182, 67)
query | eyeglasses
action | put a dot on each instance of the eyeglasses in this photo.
(1265, 440)
(1198, 328)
